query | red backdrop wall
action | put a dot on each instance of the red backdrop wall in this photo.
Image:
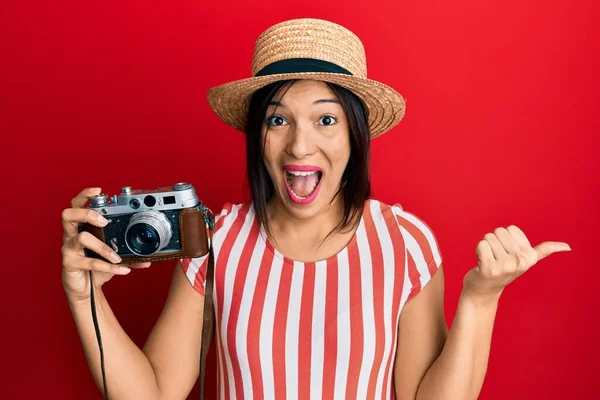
(501, 128)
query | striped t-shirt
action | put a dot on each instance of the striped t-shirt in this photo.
(313, 330)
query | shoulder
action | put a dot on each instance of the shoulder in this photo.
(196, 268)
(414, 238)
(406, 226)
(229, 215)
(406, 220)
(393, 215)
(228, 212)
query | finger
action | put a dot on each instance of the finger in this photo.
(508, 242)
(526, 250)
(484, 255)
(74, 261)
(137, 265)
(544, 249)
(96, 264)
(519, 236)
(82, 198)
(89, 241)
(496, 246)
(72, 217)
(81, 215)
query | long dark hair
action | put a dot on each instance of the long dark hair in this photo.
(355, 187)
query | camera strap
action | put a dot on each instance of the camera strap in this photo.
(208, 328)
(98, 336)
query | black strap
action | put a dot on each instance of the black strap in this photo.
(98, 336)
(294, 65)
(208, 328)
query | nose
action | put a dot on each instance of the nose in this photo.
(301, 143)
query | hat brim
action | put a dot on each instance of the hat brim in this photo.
(386, 107)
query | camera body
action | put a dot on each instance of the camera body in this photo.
(153, 225)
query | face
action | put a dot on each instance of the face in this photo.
(307, 147)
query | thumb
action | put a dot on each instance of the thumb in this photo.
(544, 249)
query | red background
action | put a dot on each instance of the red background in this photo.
(501, 128)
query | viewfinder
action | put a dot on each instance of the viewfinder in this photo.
(169, 200)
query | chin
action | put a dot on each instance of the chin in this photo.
(304, 209)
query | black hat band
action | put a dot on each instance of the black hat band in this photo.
(296, 65)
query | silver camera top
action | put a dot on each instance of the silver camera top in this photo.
(181, 195)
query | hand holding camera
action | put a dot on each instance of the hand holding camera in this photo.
(76, 265)
(127, 231)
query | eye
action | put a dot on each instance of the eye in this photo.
(276, 120)
(327, 120)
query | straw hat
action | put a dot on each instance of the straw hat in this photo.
(309, 48)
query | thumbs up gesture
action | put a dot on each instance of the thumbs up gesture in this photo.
(504, 255)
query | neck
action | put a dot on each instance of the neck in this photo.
(282, 223)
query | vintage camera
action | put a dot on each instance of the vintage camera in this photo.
(153, 225)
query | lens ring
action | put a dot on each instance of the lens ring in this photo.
(148, 232)
(142, 239)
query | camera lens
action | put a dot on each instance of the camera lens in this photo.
(146, 237)
(147, 233)
(142, 239)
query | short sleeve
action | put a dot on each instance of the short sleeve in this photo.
(423, 253)
(195, 268)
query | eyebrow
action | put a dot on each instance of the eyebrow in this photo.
(316, 102)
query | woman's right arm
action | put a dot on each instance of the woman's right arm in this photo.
(168, 365)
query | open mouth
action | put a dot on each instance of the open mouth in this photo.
(303, 185)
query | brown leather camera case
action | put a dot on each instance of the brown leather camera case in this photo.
(194, 239)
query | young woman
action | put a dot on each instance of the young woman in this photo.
(320, 291)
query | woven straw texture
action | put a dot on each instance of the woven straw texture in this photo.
(317, 39)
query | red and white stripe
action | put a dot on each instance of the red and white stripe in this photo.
(318, 330)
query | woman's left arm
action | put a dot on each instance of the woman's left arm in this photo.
(432, 363)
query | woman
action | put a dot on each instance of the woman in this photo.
(320, 291)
